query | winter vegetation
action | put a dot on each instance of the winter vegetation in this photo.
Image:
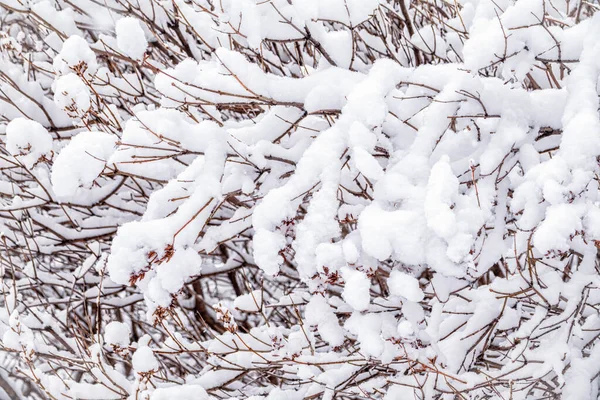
(299, 199)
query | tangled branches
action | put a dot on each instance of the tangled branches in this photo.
(302, 199)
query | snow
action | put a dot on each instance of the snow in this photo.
(143, 360)
(250, 302)
(172, 275)
(131, 38)
(28, 141)
(368, 329)
(351, 252)
(267, 246)
(367, 164)
(75, 56)
(133, 248)
(117, 333)
(72, 95)
(81, 162)
(11, 340)
(186, 392)
(405, 285)
(320, 314)
(356, 289)
(385, 232)
(561, 222)
(405, 329)
(441, 190)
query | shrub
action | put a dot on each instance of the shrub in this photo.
(294, 199)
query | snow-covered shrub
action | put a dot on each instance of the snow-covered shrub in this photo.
(295, 199)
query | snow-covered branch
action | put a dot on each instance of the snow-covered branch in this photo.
(299, 199)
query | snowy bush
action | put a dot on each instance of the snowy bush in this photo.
(294, 199)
